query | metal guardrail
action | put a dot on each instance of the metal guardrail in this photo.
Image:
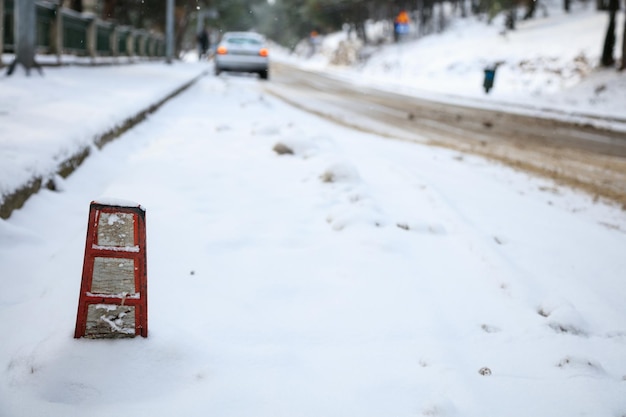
(64, 31)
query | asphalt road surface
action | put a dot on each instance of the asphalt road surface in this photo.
(574, 153)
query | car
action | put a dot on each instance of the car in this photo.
(242, 52)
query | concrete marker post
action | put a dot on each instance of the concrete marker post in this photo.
(113, 300)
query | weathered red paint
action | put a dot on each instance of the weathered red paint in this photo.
(93, 251)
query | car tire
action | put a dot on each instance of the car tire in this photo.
(264, 74)
(218, 71)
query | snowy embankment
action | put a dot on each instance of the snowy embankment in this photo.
(49, 123)
(548, 64)
(358, 276)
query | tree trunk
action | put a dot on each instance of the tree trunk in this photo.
(463, 7)
(510, 19)
(622, 67)
(108, 11)
(442, 18)
(25, 21)
(530, 11)
(426, 17)
(77, 5)
(608, 59)
(1, 31)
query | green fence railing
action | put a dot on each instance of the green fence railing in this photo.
(74, 32)
(104, 32)
(64, 31)
(45, 17)
(123, 35)
(8, 25)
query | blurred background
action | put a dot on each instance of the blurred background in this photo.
(288, 22)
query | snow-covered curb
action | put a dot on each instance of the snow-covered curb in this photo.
(15, 199)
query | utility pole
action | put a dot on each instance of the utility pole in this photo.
(169, 31)
(25, 19)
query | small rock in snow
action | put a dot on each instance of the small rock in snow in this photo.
(282, 149)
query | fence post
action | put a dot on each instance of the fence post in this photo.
(143, 49)
(56, 33)
(149, 45)
(130, 43)
(92, 41)
(113, 45)
(140, 42)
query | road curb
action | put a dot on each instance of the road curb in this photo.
(16, 199)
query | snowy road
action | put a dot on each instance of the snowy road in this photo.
(575, 149)
(360, 276)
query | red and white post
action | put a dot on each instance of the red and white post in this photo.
(113, 299)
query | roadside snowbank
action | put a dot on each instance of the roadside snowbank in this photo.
(550, 62)
(48, 121)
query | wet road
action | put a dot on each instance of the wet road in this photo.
(576, 153)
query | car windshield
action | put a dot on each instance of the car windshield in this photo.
(244, 41)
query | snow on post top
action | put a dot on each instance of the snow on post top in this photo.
(108, 201)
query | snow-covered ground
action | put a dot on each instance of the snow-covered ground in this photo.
(358, 276)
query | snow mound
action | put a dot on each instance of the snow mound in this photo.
(563, 318)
